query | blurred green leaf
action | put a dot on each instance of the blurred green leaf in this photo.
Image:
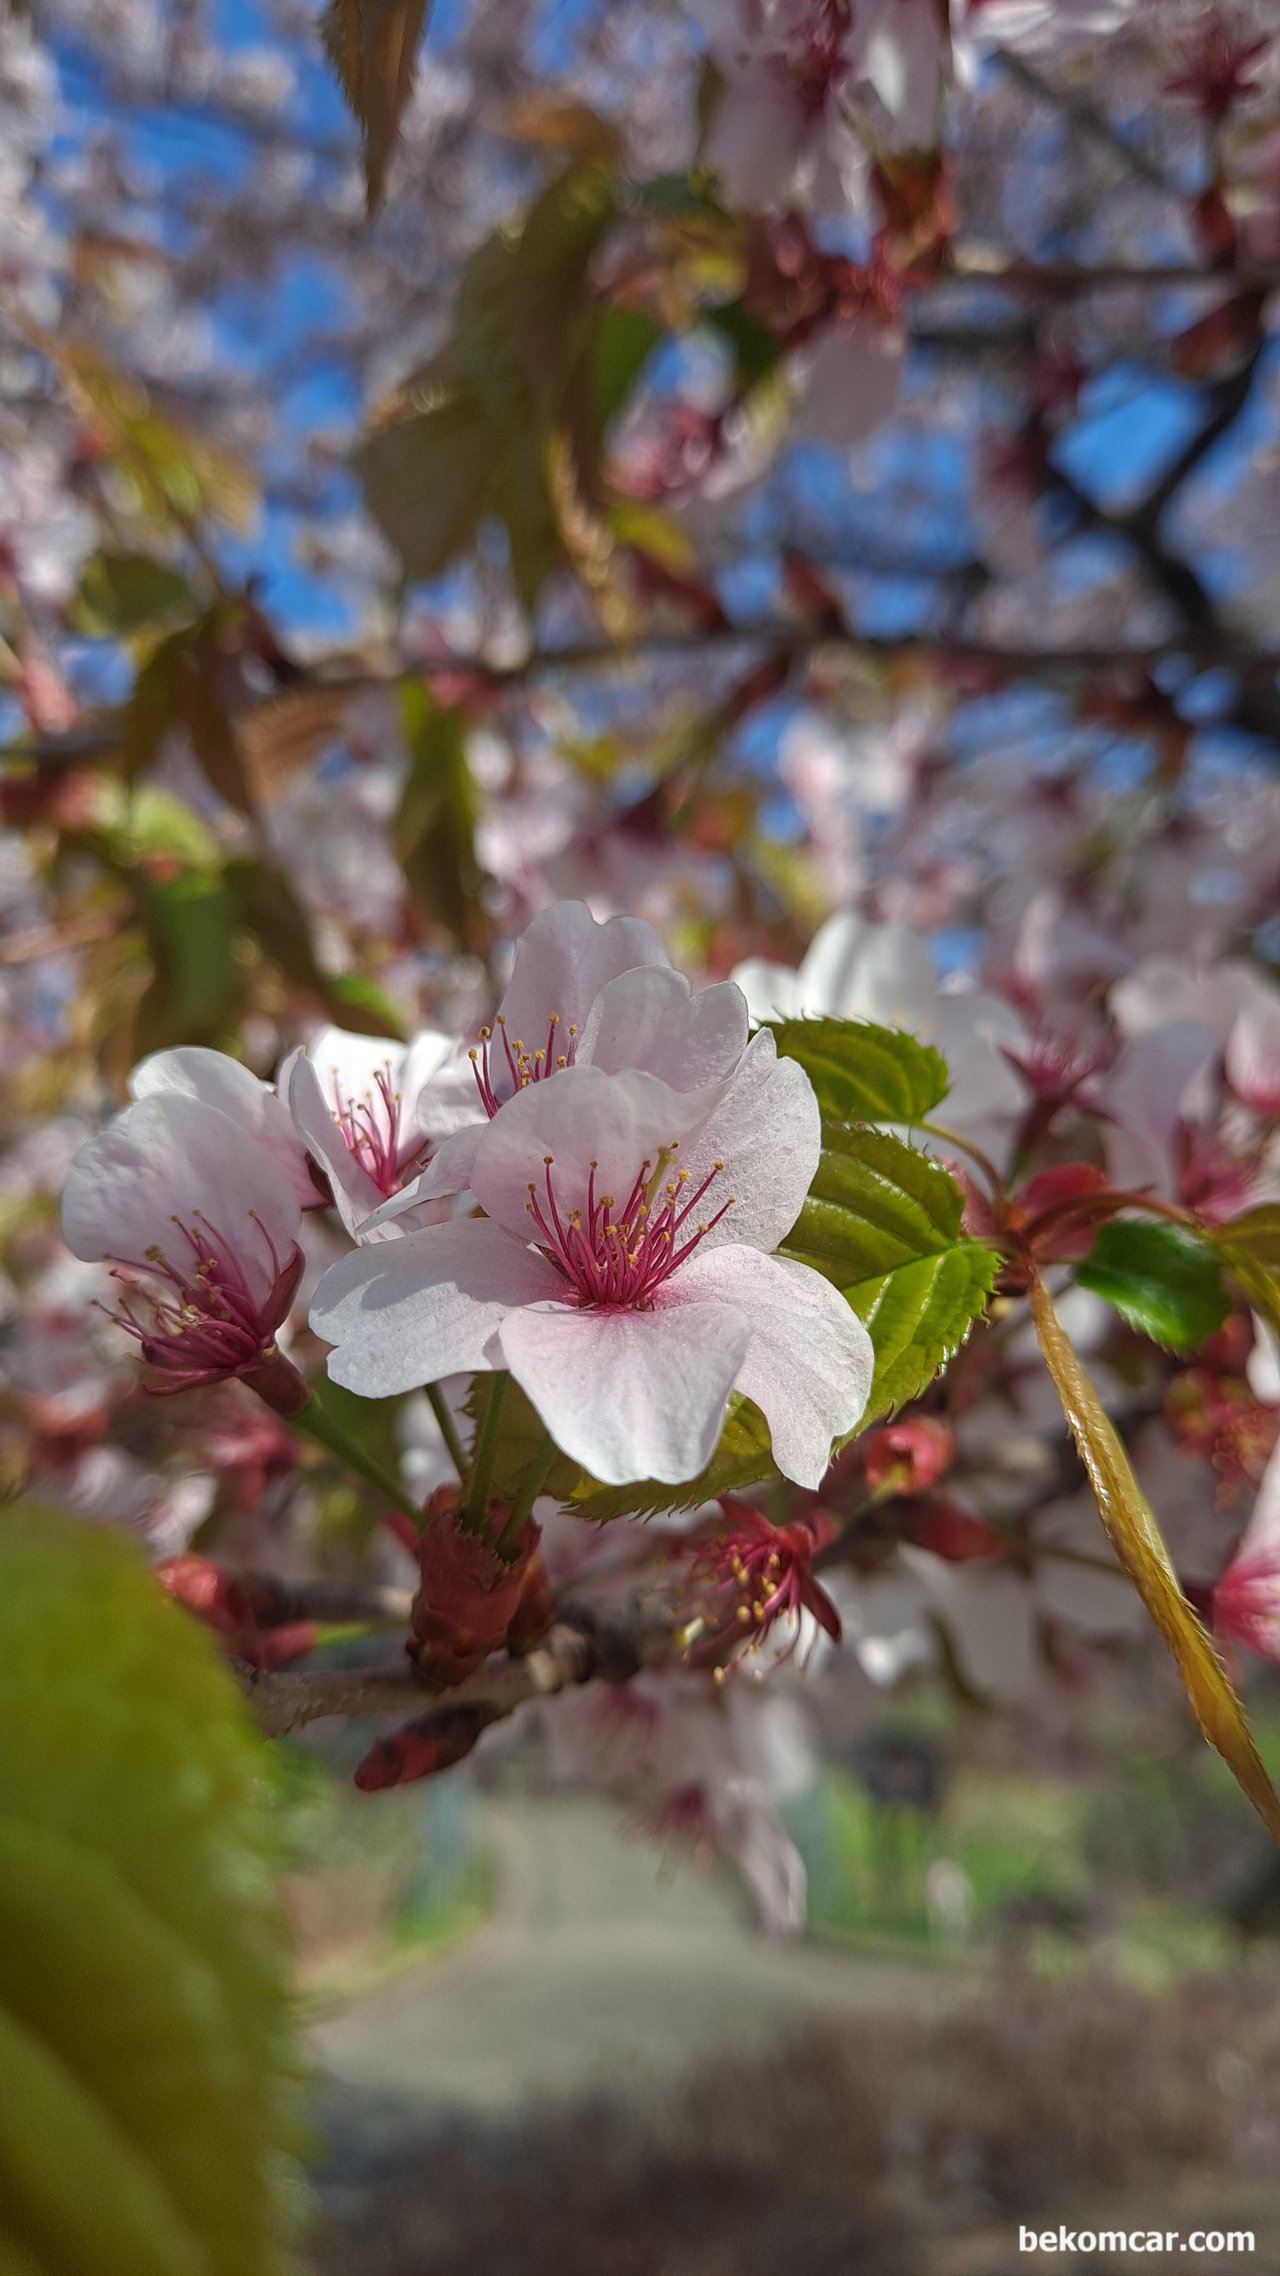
(120, 593)
(147, 2105)
(427, 481)
(270, 912)
(883, 1223)
(864, 1073)
(433, 834)
(189, 922)
(755, 350)
(373, 47)
(622, 341)
(1250, 1249)
(1165, 1283)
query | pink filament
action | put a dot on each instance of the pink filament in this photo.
(619, 1257)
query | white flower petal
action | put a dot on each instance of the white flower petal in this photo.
(191, 1071)
(563, 959)
(165, 1162)
(772, 990)
(651, 1018)
(629, 1394)
(809, 1363)
(408, 1312)
(581, 1118)
(768, 1133)
(354, 1191)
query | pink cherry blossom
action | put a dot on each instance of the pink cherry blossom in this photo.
(623, 1274)
(581, 994)
(354, 1103)
(200, 1226)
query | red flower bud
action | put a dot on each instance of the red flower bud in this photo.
(469, 1595)
(419, 1749)
(908, 1457)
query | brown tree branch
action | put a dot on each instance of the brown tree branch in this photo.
(581, 1646)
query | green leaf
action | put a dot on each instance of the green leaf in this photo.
(1165, 1283)
(883, 1223)
(120, 593)
(864, 1073)
(189, 921)
(269, 911)
(622, 341)
(433, 834)
(1250, 1249)
(756, 350)
(146, 2106)
(373, 47)
(744, 1457)
(427, 481)
(1139, 1545)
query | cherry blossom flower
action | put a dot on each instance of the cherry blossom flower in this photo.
(581, 994)
(623, 1274)
(200, 1227)
(858, 970)
(751, 1575)
(341, 1121)
(355, 1100)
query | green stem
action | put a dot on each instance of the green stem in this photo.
(527, 1492)
(975, 1153)
(320, 1425)
(472, 1513)
(448, 1428)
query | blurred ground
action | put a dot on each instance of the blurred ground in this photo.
(616, 2077)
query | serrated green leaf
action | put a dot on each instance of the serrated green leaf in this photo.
(882, 1222)
(744, 1457)
(864, 1073)
(1165, 1283)
(146, 2106)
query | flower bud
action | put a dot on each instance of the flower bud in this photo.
(469, 1595)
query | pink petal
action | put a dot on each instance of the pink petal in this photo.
(563, 959)
(809, 1363)
(191, 1071)
(652, 1019)
(767, 1132)
(311, 1106)
(167, 1158)
(629, 1394)
(580, 1118)
(411, 1311)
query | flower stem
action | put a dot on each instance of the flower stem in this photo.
(319, 1423)
(527, 1492)
(448, 1428)
(975, 1154)
(475, 1501)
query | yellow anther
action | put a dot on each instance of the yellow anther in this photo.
(502, 1019)
(743, 1614)
(573, 1030)
(555, 1019)
(562, 1061)
(473, 1056)
(548, 1161)
(485, 1034)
